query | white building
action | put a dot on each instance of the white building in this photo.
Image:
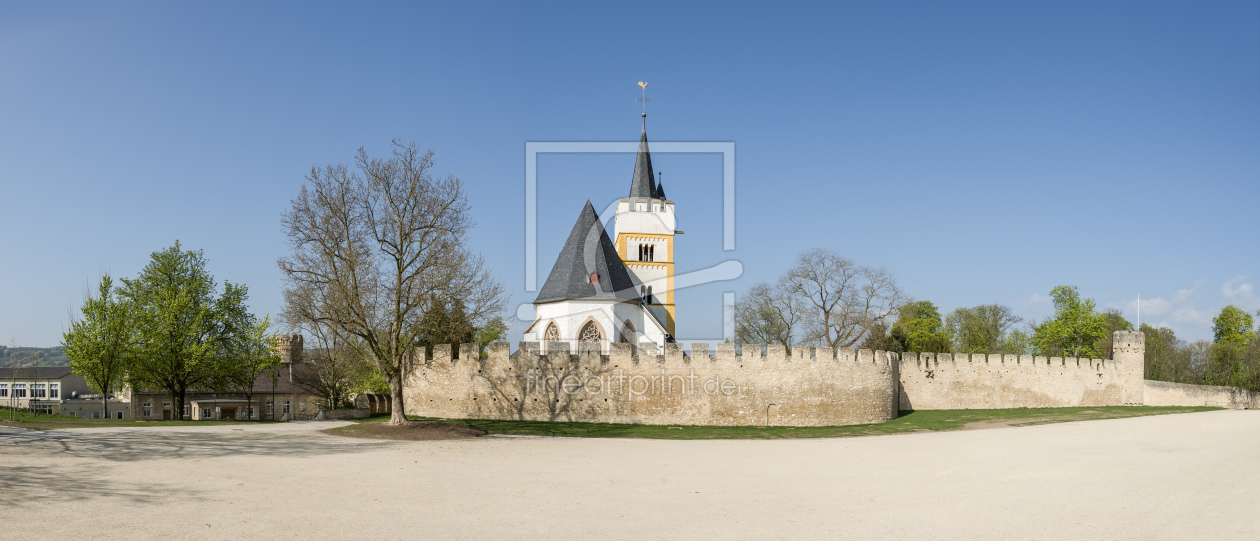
(603, 292)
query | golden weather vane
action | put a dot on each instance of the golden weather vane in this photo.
(644, 99)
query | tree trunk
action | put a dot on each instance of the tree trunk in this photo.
(181, 397)
(105, 401)
(397, 416)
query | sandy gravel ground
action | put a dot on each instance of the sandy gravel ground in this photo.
(1191, 476)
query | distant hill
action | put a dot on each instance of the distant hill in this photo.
(9, 356)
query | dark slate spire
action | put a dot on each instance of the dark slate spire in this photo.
(588, 250)
(660, 187)
(641, 185)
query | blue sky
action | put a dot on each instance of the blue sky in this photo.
(982, 152)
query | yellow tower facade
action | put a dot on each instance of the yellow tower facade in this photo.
(645, 227)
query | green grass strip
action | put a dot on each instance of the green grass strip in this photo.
(907, 422)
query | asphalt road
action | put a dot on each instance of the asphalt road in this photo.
(1188, 476)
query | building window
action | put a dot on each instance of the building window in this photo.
(271, 408)
(166, 404)
(187, 410)
(54, 390)
(19, 390)
(552, 334)
(589, 333)
(147, 413)
(70, 413)
(286, 407)
(37, 390)
(249, 413)
(4, 390)
(647, 252)
(302, 408)
(148, 404)
(205, 413)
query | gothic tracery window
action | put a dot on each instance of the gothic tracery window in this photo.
(552, 334)
(589, 333)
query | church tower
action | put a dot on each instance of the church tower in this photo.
(644, 228)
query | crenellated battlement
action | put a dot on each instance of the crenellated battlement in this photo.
(672, 354)
(928, 361)
(288, 347)
(622, 383)
(746, 384)
(995, 380)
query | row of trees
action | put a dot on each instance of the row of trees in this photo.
(1076, 329)
(827, 300)
(169, 328)
(1232, 357)
(379, 266)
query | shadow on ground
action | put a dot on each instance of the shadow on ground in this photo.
(138, 445)
(59, 480)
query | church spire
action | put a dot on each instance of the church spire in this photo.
(641, 185)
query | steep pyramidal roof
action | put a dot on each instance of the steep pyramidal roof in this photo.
(642, 184)
(588, 250)
(660, 190)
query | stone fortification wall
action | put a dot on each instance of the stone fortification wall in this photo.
(987, 381)
(813, 387)
(347, 413)
(1164, 393)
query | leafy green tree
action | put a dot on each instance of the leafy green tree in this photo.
(877, 339)
(102, 344)
(249, 353)
(445, 322)
(982, 329)
(1233, 325)
(1112, 320)
(1164, 361)
(184, 328)
(1074, 330)
(492, 331)
(918, 328)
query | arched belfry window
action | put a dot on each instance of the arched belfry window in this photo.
(589, 333)
(627, 333)
(552, 334)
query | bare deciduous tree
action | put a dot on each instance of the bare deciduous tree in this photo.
(372, 247)
(333, 368)
(844, 300)
(766, 315)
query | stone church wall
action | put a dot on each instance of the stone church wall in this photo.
(810, 388)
